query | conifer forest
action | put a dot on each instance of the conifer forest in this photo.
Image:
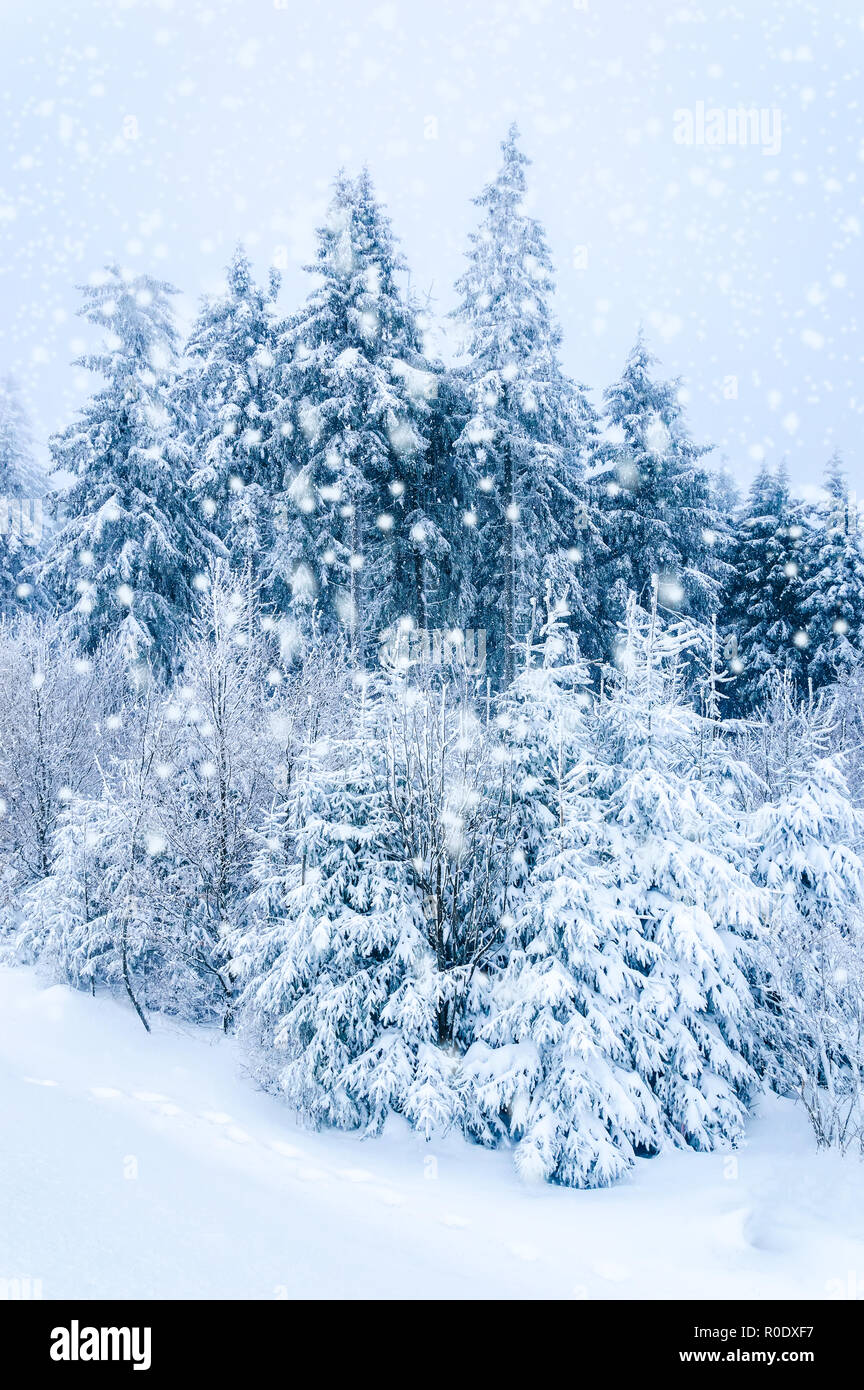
(476, 751)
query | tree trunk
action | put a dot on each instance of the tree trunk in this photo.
(127, 980)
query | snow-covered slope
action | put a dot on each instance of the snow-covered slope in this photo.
(136, 1166)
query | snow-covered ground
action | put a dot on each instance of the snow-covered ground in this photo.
(136, 1166)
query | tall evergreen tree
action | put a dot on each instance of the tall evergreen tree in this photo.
(129, 547)
(766, 617)
(833, 600)
(525, 441)
(227, 397)
(658, 511)
(359, 525)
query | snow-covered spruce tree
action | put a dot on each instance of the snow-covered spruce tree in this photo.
(227, 398)
(807, 842)
(765, 617)
(449, 599)
(680, 869)
(658, 511)
(337, 976)
(530, 427)
(540, 717)
(553, 1068)
(833, 602)
(21, 496)
(358, 521)
(124, 558)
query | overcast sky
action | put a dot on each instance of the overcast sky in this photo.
(159, 132)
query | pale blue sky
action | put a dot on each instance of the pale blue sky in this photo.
(158, 132)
